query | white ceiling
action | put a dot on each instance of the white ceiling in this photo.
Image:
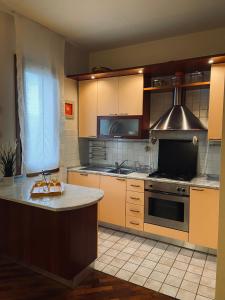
(100, 24)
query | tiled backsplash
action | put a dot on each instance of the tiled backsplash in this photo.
(145, 153)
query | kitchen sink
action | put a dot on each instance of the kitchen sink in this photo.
(121, 171)
(112, 170)
(97, 169)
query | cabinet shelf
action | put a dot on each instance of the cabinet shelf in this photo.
(184, 85)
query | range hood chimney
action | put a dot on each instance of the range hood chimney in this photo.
(179, 117)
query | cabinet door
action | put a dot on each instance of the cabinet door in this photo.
(84, 179)
(108, 96)
(88, 108)
(130, 95)
(216, 99)
(204, 217)
(112, 206)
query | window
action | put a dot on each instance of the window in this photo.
(41, 120)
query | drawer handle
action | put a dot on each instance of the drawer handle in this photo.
(134, 198)
(135, 185)
(196, 189)
(134, 223)
(120, 179)
(83, 174)
(134, 210)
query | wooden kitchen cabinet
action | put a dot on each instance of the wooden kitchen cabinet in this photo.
(112, 207)
(135, 185)
(88, 101)
(84, 179)
(130, 95)
(204, 217)
(108, 96)
(216, 99)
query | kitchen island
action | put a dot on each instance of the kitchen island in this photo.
(54, 235)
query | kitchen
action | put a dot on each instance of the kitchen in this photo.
(162, 187)
(137, 150)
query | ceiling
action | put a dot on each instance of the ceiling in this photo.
(101, 24)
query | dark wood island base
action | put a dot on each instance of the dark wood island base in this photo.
(59, 244)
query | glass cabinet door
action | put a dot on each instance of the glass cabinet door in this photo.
(119, 127)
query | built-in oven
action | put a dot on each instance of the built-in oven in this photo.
(167, 205)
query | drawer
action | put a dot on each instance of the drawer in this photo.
(135, 197)
(134, 223)
(134, 210)
(84, 179)
(135, 185)
(166, 232)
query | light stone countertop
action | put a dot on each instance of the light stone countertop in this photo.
(200, 181)
(73, 197)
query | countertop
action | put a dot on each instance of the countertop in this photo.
(200, 181)
(73, 197)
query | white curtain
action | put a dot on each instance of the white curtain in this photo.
(40, 74)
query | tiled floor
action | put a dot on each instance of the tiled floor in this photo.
(178, 272)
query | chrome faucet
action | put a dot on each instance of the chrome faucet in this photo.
(119, 166)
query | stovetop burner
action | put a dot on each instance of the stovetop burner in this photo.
(180, 177)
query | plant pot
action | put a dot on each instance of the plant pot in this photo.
(8, 180)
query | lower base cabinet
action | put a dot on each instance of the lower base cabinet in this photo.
(112, 207)
(204, 217)
(123, 205)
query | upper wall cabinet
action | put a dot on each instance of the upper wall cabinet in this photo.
(130, 95)
(120, 95)
(217, 89)
(108, 96)
(88, 100)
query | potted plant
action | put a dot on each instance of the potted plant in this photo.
(7, 162)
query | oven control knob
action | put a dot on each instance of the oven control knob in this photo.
(178, 189)
(183, 190)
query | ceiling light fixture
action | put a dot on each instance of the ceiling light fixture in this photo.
(92, 77)
(211, 61)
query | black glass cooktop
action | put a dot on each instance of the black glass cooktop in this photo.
(180, 177)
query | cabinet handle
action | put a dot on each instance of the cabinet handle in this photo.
(120, 179)
(117, 136)
(134, 210)
(134, 223)
(135, 185)
(134, 198)
(196, 189)
(83, 174)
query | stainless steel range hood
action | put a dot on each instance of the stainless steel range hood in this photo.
(179, 117)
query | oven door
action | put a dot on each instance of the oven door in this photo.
(167, 210)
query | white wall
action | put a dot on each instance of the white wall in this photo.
(7, 97)
(174, 48)
(76, 59)
(69, 127)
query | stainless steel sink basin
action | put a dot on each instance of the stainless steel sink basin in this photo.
(97, 169)
(121, 171)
